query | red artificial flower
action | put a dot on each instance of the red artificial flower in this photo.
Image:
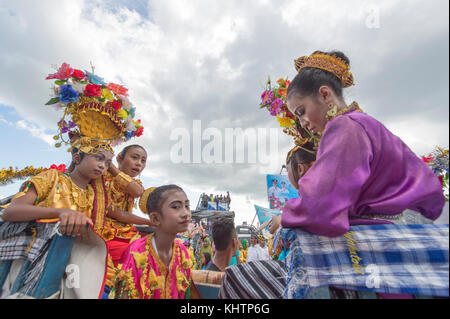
(282, 93)
(139, 131)
(118, 89)
(78, 74)
(93, 90)
(441, 179)
(427, 159)
(116, 105)
(287, 83)
(61, 168)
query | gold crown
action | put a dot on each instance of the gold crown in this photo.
(329, 63)
(144, 198)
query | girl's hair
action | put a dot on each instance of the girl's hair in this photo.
(127, 148)
(207, 258)
(301, 156)
(72, 164)
(157, 197)
(308, 81)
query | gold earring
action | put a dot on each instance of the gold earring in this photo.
(332, 111)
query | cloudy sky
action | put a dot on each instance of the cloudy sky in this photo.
(207, 61)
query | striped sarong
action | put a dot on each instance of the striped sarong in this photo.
(263, 279)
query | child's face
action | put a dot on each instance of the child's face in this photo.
(93, 166)
(134, 162)
(175, 213)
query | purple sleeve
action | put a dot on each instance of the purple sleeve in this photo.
(332, 185)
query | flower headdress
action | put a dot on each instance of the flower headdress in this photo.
(274, 99)
(96, 114)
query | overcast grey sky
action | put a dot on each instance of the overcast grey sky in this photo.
(208, 60)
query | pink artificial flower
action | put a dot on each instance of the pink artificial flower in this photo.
(63, 73)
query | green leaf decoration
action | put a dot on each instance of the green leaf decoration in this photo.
(60, 82)
(53, 101)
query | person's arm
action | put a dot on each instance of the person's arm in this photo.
(23, 210)
(126, 183)
(128, 218)
(333, 184)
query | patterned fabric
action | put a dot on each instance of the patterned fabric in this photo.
(24, 240)
(116, 187)
(29, 241)
(393, 259)
(264, 279)
(147, 277)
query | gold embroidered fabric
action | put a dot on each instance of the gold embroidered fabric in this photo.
(55, 189)
(119, 199)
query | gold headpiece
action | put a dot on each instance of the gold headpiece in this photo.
(144, 198)
(99, 114)
(328, 63)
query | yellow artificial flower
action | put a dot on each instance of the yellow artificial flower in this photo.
(107, 95)
(285, 122)
(122, 114)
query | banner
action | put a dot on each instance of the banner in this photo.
(266, 214)
(279, 190)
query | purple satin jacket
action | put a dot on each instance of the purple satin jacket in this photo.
(361, 170)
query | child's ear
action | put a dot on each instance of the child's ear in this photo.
(119, 158)
(301, 169)
(76, 158)
(155, 219)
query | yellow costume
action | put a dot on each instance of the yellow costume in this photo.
(119, 199)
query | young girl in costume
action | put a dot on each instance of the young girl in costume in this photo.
(56, 195)
(363, 174)
(124, 188)
(158, 266)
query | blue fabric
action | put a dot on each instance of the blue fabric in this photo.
(395, 259)
(234, 259)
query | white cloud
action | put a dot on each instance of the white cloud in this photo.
(205, 60)
(35, 131)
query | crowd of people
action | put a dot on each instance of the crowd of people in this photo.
(205, 199)
(359, 174)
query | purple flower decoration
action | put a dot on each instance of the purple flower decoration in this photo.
(66, 127)
(275, 107)
(267, 97)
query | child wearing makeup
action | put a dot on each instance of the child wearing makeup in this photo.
(158, 266)
(124, 187)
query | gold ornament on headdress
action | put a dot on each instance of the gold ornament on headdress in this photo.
(329, 63)
(144, 198)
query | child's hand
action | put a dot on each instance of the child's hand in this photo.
(72, 222)
(113, 170)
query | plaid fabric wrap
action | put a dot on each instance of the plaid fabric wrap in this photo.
(26, 240)
(396, 259)
(263, 279)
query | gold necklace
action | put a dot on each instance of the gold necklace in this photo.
(82, 199)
